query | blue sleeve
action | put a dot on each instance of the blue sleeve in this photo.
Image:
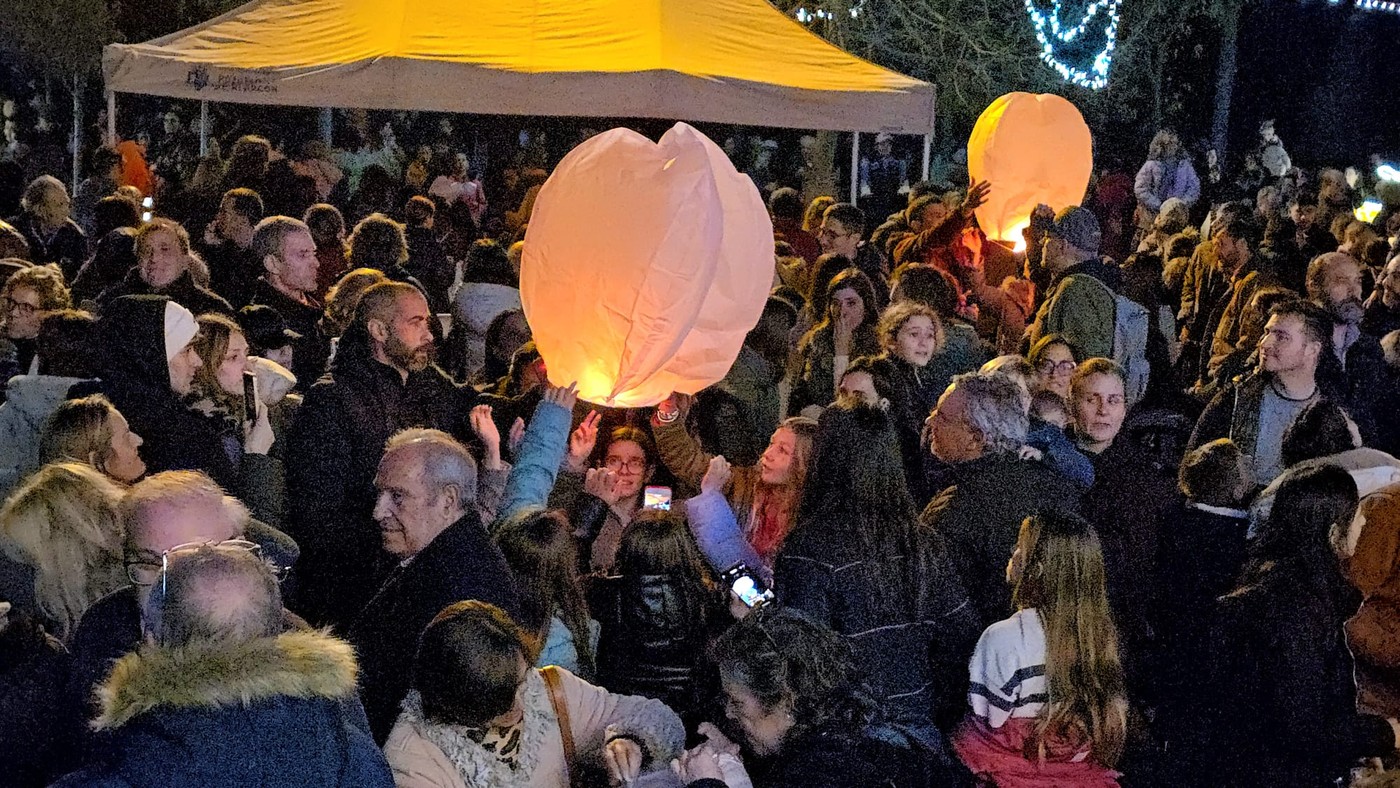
(718, 536)
(537, 463)
(1062, 457)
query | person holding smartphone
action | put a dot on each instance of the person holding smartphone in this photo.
(603, 501)
(225, 390)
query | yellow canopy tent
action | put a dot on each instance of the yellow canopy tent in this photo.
(725, 61)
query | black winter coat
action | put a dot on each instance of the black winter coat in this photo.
(1281, 687)
(980, 516)
(333, 451)
(907, 617)
(652, 641)
(136, 377)
(34, 730)
(833, 757)
(183, 291)
(67, 246)
(309, 353)
(461, 563)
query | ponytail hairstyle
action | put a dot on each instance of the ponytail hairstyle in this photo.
(1063, 579)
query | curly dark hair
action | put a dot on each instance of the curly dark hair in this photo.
(780, 655)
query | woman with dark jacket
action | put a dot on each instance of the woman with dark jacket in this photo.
(149, 366)
(794, 694)
(655, 615)
(858, 562)
(1282, 693)
(845, 331)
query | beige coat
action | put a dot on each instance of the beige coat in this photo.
(425, 754)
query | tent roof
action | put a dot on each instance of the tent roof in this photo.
(727, 61)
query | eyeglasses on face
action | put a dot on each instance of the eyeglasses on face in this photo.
(24, 310)
(147, 572)
(633, 465)
(1048, 367)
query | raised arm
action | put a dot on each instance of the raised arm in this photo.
(541, 452)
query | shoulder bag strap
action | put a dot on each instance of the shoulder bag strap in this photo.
(561, 713)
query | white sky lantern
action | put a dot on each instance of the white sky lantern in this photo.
(645, 266)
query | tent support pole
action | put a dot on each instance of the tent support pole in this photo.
(327, 124)
(203, 127)
(111, 117)
(928, 151)
(855, 167)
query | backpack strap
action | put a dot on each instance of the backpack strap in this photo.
(561, 713)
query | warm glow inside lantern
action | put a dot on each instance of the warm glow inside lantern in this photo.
(645, 266)
(1033, 149)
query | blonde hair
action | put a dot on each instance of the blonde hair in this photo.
(1063, 580)
(64, 522)
(344, 296)
(79, 430)
(812, 217)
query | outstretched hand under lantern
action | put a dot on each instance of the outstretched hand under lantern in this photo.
(976, 197)
(582, 441)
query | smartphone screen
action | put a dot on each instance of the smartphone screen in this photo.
(250, 396)
(657, 497)
(749, 592)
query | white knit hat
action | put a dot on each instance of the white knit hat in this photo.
(180, 328)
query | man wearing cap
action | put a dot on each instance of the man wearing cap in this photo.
(1080, 303)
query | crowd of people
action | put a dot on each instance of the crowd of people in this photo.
(291, 499)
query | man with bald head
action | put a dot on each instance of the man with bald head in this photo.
(1334, 282)
(162, 513)
(382, 380)
(222, 694)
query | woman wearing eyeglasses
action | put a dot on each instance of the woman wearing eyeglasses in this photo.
(603, 501)
(1054, 359)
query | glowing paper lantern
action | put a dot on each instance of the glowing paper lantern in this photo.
(645, 265)
(1032, 149)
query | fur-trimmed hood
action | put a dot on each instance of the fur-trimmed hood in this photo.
(214, 675)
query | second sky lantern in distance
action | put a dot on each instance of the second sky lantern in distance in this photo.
(645, 266)
(1033, 149)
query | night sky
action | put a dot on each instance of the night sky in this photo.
(1328, 75)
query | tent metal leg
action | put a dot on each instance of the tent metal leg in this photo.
(855, 167)
(327, 124)
(203, 127)
(111, 117)
(928, 152)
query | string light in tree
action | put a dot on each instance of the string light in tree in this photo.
(1051, 32)
(1378, 5)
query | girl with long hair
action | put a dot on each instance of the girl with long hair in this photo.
(858, 562)
(1282, 677)
(218, 394)
(1048, 701)
(845, 331)
(64, 524)
(742, 513)
(540, 550)
(655, 612)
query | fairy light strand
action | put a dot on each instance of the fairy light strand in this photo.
(1050, 30)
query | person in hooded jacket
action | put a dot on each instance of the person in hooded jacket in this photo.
(163, 260)
(222, 696)
(149, 363)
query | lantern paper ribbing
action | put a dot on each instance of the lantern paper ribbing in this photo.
(1033, 149)
(645, 266)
